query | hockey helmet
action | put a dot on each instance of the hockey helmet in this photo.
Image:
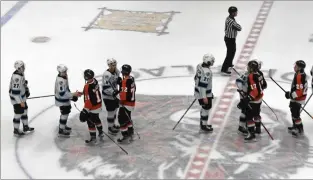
(19, 65)
(88, 74)
(111, 61)
(301, 64)
(61, 68)
(260, 63)
(232, 9)
(126, 69)
(208, 59)
(253, 65)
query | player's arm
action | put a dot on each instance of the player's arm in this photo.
(264, 83)
(94, 94)
(203, 84)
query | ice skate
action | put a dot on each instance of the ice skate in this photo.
(206, 129)
(242, 131)
(92, 140)
(18, 132)
(63, 133)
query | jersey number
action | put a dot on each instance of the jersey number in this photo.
(300, 86)
(132, 90)
(16, 85)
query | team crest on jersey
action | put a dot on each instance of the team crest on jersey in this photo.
(16, 80)
(61, 83)
(124, 20)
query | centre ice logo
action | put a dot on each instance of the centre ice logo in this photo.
(140, 21)
(162, 153)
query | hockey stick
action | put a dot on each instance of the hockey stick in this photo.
(40, 97)
(260, 120)
(262, 99)
(105, 133)
(125, 108)
(270, 74)
(185, 113)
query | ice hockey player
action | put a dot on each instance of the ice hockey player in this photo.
(242, 85)
(19, 92)
(127, 101)
(109, 91)
(92, 106)
(63, 97)
(258, 118)
(203, 90)
(253, 99)
(297, 96)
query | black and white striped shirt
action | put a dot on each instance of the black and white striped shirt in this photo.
(231, 27)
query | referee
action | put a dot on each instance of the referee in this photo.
(231, 28)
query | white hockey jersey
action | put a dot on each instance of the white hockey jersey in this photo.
(17, 88)
(62, 92)
(108, 80)
(242, 83)
(203, 82)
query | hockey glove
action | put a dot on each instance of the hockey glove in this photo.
(240, 105)
(245, 102)
(115, 93)
(84, 115)
(27, 92)
(119, 80)
(287, 95)
(26, 82)
(75, 98)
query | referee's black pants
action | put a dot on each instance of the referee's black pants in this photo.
(231, 51)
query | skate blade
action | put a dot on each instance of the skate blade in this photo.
(28, 132)
(64, 136)
(124, 142)
(19, 135)
(205, 132)
(87, 142)
(251, 141)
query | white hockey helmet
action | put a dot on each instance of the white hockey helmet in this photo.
(209, 59)
(111, 61)
(61, 68)
(19, 65)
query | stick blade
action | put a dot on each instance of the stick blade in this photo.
(271, 72)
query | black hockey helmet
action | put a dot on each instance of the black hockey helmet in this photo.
(253, 65)
(88, 74)
(301, 64)
(126, 69)
(232, 9)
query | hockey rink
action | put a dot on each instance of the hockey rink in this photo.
(163, 42)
